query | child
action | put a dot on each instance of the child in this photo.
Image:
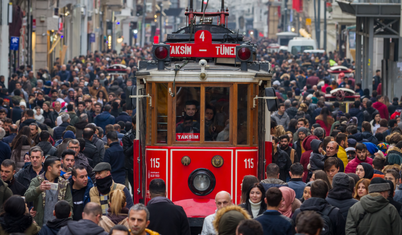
(38, 115)
(316, 158)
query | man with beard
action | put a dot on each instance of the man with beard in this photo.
(284, 145)
(138, 220)
(67, 161)
(80, 159)
(81, 184)
(342, 140)
(45, 145)
(104, 185)
(7, 175)
(301, 133)
(361, 156)
(281, 158)
(62, 213)
(332, 151)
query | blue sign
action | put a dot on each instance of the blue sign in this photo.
(14, 43)
(92, 38)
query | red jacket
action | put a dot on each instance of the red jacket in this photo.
(379, 89)
(305, 158)
(393, 116)
(382, 109)
(351, 166)
(330, 120)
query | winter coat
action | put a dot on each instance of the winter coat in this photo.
(47, 148)
(292, 111)
(24, 176)
(355, 112)
(352, 165)
(114, 155)
(5, 151)
(62, 146)
(305, 158)
(16, 187)
(93, 91)
(227, 219)
(5, 193)
(104, 119)
(26, 123)
(82, 227)
(393, 107)
(284, 121)
(52, 227)
(373, 215)
(95, 195)
(342, 155)
(73, 118)
(52, 115)
(316, 158)
(38, 198)
(272, 182)
(298, 186)
(100, 146)
(16, 114)
(32, 230)
(281, 158)
(82, 160)
(58, 131)
(398, 194)
(364, 135)
(123, 116)
(247, 207)
(92, 153)
(107, 222)
(318, 205)
(382, 109)
(274, 222)
(79, 127)
(174, 224)
(342, 198)
(19, 158)
(128, 141)
(319, 119)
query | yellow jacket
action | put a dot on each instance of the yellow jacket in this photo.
(150, 232)
(343, 156)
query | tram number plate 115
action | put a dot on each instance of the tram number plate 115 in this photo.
(187, 137)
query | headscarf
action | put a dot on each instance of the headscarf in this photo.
(368, 170)
(58, 121)
(285, 208)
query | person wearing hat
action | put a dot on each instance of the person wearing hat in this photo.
(341, 194)
(373, 214)
(361, 156)
(227, 219)
(104, 185)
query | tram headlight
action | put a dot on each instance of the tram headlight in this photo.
(201, 182)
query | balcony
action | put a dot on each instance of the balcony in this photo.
(114, 5)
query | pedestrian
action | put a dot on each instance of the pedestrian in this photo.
(47, 148)
(15, 219)
(364, 170)
(373, 214)
(159, 206)
(90, 150)
(281, 158)
(119, 230)
(104, 118)
(114, 155)
(272, 221)
(272, 180)
(289, 202)
(88, 225)
(249, 227)
(62, 213)
(7, 172)
(117, 212)
(309, 223)
(255, 203)
(296, 182)
(341, 194)
(128, 147)
(100, 193)
(227, 219)
(222, 199)
(46, 189)
(58, 131)
(80, 160)
(305, 158)
(139, 219)
(35, 168)
(23, 145)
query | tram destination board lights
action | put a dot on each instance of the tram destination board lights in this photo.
(244, 55)
(161, 53)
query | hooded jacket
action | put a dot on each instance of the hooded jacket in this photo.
(123, 116)
(79, 127)
(227, 219)
(382, 109)
(316, 158)
(104, 119)
(52, 227)
(82, 227)
(364, 135)
(305, 158)
(318, 205)
(342, 198)
(47, 148)
(373, 215)
(283, 121)
(351, 166)
(292, 111)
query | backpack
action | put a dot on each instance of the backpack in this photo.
(327, 229)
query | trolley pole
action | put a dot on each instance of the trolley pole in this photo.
(325, 25)
(144, 13)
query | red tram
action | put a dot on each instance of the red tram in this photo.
(202, 119)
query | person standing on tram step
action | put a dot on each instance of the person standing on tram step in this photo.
(159, 207)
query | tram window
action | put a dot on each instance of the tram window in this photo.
(187, 114)
(242, 114)
(162, 113)
(217, 127)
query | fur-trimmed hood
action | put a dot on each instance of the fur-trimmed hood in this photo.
(227, 219)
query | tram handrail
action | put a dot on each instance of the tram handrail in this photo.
(264, 98)
(143, 96)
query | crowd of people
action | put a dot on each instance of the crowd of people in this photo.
(66, 147)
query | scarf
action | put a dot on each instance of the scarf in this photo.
(104, 184)
(285, 208)
(18, 224)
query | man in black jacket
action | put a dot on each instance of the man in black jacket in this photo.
(45, 145)
(7, 175)
(319, 191)
(26, 174)
(159, 206)
(29, 118)
(281, 158)
(58, 131)
(128, 141)
(90, 150)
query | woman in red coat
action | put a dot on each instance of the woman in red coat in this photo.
(325, 120)
(305, 157)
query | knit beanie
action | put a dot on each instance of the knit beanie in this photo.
(69, 134)
(340, 180)
(394, 158)
(378, 185)
(372, 148)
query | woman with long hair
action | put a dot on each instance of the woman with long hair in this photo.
(325, 120)
(375, 123)
(117, 212)
(320, 174)
(23, 131)
(361, 188)
(255, 204)
(23, 145)
(16, 218)
(248, 181)
(102, 98)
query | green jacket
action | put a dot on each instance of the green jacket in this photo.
(5, 193)
(373, 215)
(33, 194)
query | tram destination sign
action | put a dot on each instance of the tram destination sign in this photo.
(203, 47)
